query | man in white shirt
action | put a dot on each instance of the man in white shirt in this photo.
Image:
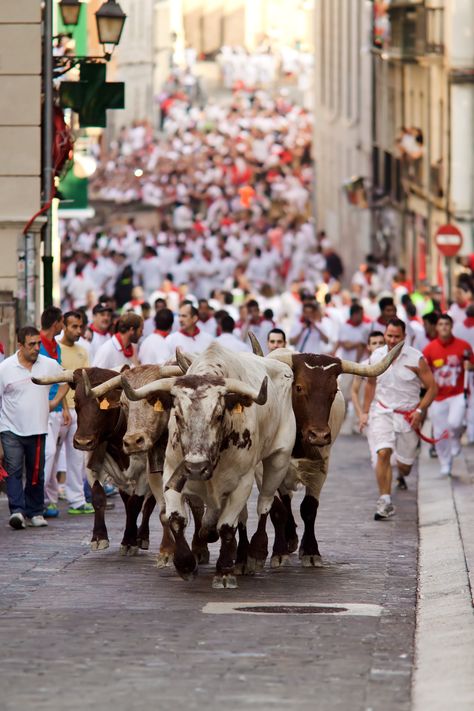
(154, 349)
(189, 337)
(396, 411)
(308, 336)
(227, 338)
(120, 350)
(99, 328)
(206, 322)
(23, 426)
(351, 345)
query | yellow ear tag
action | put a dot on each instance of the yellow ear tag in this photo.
(238, 409)
(158, 407)
(104, 404)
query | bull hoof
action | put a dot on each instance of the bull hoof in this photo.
(143, 544)
(132, 550)
(202, 556)
(123, 550)
(254, 565)
(292, 544)
(163, 560)
(209, 535)
(99, 545)
(311, 561)
(279, 561)
(221, 582)
(186, 566)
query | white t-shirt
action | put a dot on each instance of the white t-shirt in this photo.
(98, 340)
(110, 355)
(310, 340)
(25, 406)
(399, 387)
(353, 334)
(189, 344)
(228, 340)
(154, 350)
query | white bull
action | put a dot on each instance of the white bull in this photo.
(228, 413)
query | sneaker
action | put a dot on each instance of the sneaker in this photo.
(51, 511)
(383, 510)
(17, 521)
(37, 521)
(110, 489)
(62, 492)
(433, 452)
(401, 483)
(81, 510)
(445, 470)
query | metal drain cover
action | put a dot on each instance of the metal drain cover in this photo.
(292, 608)
(296, 610)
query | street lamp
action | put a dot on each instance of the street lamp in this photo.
(110, 20)
(70, 11)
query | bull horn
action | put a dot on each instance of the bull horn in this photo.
(101, 389)
(182, 360)
(237, 387)
(170, 371)
(371, 371)
(67, 376)
(162, 385)
(285, 358)
(256, 347)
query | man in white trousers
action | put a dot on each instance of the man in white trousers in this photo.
(73, 356)
(448, 357)
(397, 411)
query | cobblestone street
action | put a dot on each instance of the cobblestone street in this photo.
(82, 629)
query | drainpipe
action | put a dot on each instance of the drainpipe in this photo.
(47, 149)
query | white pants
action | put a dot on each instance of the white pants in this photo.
(448, 414)
(52, 447)
(75, 465)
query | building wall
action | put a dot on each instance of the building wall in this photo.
(430, 90)
(342, 122)
(20, 131)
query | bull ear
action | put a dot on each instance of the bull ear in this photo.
(124, 368)
(236, 403)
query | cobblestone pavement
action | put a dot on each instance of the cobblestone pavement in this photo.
(81, 628)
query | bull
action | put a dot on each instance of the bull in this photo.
(101, 425)
(319, 409)
(146, 435)
(227, 414)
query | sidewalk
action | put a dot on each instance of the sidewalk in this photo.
(444, 657)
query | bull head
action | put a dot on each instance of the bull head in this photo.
(199, 405)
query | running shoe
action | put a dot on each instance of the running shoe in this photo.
(456, 448)
(384, 510)
(110, 489)
(401, 483)
(37, 521)
(81, 510)
(17, 521)
(51, 511)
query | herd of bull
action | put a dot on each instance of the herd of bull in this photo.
(198, 434)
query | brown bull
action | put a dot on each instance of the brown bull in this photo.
(319, 410)
(101, 425)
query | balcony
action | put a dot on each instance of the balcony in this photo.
(416, 31)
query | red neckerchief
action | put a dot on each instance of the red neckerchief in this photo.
(418, 319)
(258, 322)
(469, 322)
(128, 351)
(352, 323)
(205, 320)
(2, 348)
(51, 347)
(161, 333)
(190, 335)
(98, 330)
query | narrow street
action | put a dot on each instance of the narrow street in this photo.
(116, 632)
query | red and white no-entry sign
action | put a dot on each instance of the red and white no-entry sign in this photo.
(448, 239)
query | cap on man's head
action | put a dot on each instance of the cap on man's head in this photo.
(100, 309)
